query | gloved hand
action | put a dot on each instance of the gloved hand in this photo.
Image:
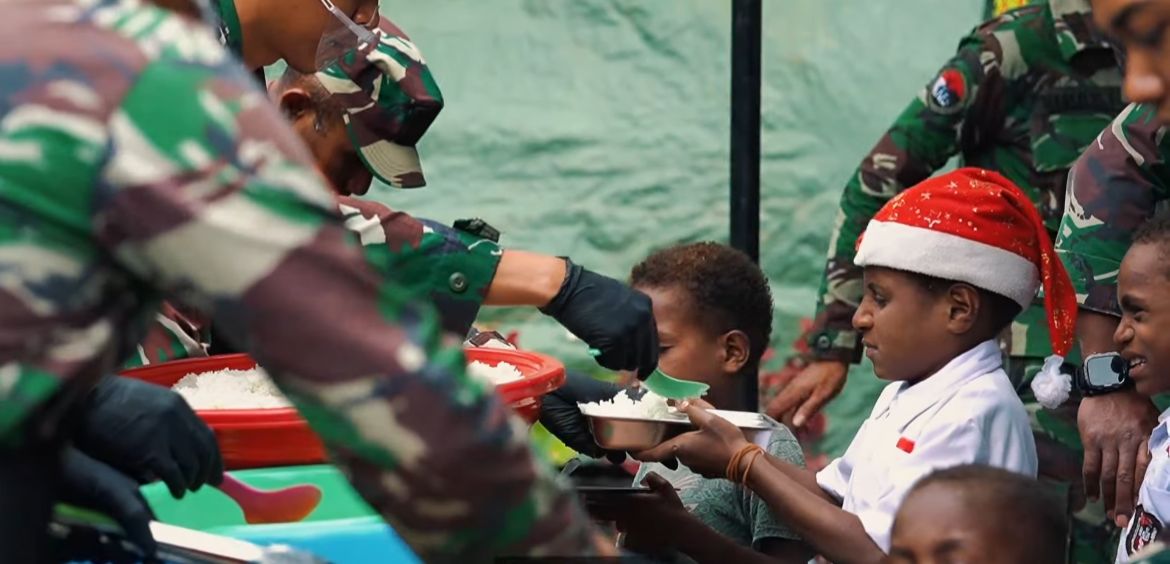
(610, 317)
(560, 415)
(149, 432)
(87, 483)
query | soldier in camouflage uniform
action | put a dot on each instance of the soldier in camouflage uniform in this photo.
(456, 266)
(458, 269)
(141, 161)
(1025, 94)
(287, 34)
(1118, 184)
(355, 141)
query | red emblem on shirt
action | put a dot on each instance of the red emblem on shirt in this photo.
(905, 445)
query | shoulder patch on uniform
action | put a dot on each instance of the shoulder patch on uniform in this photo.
(948, 91)
(1143, 530)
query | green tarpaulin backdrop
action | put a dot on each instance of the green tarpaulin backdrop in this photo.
(599, 129)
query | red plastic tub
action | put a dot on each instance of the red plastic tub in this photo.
(257, 438)
(542, 374)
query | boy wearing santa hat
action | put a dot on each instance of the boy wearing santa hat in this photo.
(948, 265)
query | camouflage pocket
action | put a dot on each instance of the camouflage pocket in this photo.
(1064, 122)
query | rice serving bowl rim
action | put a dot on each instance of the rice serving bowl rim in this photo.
(765, 422)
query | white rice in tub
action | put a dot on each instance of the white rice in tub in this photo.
(253, 389)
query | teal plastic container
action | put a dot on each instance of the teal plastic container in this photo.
(343, 529)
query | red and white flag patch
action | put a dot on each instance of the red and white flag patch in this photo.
(947, 92)
(905, 445)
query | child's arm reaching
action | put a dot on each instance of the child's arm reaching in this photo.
(791, 492)
(802, 477)
(660, 523)
(705, 545)
(798, 474)
(837, 534)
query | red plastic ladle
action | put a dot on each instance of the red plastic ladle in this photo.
(286, 505)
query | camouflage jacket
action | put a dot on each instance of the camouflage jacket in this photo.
(1024, 94)
(1117, 184)
(454, 269)
(174, 333)
(148, 163)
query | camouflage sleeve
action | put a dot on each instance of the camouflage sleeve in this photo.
(1114, 187)
(925, 135)
(210, 197)
(454, 269)
(174, 334)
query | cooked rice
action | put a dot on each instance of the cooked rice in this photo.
(501, 373)
(231, 389)
(651, 405)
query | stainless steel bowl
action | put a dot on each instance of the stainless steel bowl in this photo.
(640, 433)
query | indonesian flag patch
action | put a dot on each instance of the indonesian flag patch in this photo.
(948, 91)
(1143, 530)
(905, 445)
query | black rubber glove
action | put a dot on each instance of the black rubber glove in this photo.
(561, 416)
(149, 433)
(88, 483)
(609, 316)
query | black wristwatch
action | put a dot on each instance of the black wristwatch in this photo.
(479, 228)
(1103, 373)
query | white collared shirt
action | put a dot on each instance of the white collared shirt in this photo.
(1153, 508)
(966, 413)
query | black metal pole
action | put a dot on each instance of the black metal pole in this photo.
(745, 144)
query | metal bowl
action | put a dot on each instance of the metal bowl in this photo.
(640, 433)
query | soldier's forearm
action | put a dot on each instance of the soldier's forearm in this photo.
(526, 279)
(835, 346)
(1095, 332)
(832, 336)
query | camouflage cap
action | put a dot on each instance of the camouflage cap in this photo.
(389, 100)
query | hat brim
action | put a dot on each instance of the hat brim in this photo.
(395, 165)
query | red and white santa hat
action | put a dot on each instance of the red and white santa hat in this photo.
(975, 226)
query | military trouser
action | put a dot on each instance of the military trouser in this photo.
(1092, 536)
